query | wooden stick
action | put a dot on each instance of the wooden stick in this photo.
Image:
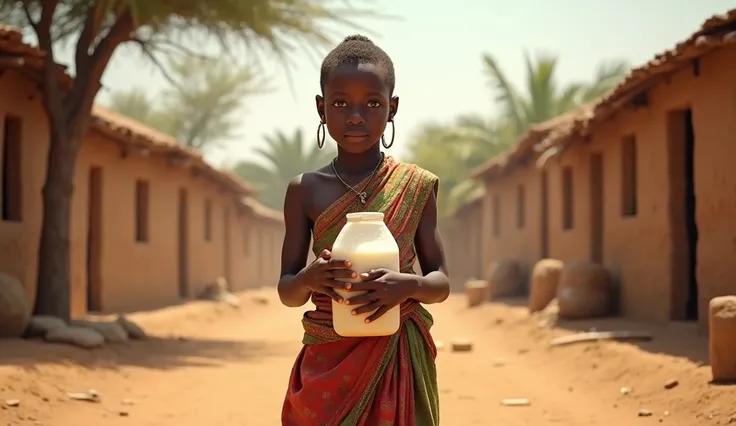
(595, 336)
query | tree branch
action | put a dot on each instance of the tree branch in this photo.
(90, 69)
(149, 51)
(90, 29)
(48, 8)
(160, 43)
(51, 78)
(43, 25)
(29, 18)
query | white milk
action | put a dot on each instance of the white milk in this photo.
(366, 242)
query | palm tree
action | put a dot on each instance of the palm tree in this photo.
(451, 150)
(543, 97)
(481, 137)
(283, 158)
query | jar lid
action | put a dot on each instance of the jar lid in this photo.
(365, 216)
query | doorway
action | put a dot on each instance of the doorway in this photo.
(476, 245)
(226, 248)
(183, 243)
(94, 240)
(681, 145)
(12, 175)
(596, 207)
(544, 216)
(259, 255)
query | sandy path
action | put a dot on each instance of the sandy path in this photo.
(215, 365)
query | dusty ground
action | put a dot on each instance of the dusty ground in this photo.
(215, 365)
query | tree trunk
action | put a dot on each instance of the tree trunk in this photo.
(68, 117)
(53, 294)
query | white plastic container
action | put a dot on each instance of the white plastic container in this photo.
(366, 241)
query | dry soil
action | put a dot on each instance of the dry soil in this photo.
(211, 364)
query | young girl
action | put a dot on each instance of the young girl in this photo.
(371, 381)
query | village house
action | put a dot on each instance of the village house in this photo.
(514, 212)
(464, 243)
(642, 182)
(152, 222)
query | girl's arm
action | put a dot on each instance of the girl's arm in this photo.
(434, 286)
(295, 246)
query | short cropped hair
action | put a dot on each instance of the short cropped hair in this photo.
(358, 49)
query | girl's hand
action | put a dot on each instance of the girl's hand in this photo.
(385, 289)
(321, 275)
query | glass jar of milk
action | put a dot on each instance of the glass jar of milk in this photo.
(366, 241)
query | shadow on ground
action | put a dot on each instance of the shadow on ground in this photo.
(154, 353)
(681, 340)
(678, 339)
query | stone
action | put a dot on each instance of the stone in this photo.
(722, 338)
(462, 345)
(671, 384)
(39, 325)
(134, 330)
(218, 292)
(476, 292)
(516, 402)
(79, 336)
(89, 396)
(113, 332)
(15, 309)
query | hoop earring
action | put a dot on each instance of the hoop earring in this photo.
(393, 134)
(321, 135)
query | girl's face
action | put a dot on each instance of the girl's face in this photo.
(356, 107)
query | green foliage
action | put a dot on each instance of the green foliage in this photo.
(283, 158)
(278, 25)
(451, 150)
(201, 107)
(162, 29)
(543, 97)
(137, 104)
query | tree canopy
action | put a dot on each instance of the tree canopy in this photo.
(452, 149)
(283, 158)
(94, 29)
(202, 107)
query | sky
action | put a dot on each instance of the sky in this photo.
(437, 47)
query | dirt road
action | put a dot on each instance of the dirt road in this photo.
(215, 365)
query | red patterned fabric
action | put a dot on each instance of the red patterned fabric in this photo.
(374, 381)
